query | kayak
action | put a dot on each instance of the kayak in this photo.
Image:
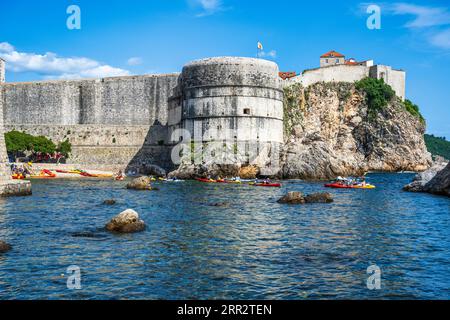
(18, 176)
(345, 186)
(206, 180)
(273, 185)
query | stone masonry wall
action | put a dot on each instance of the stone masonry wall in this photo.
(108, 121)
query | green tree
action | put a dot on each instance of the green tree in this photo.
(18, 142)
(65, 148)
(43, 145)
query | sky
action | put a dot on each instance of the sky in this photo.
(119, 37)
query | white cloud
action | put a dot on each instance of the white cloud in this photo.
(51, 66)
(134, 61)
(208, 7)
(423, 16)
(271, 54)
(441, 39)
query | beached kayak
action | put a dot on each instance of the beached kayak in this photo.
(345, 186)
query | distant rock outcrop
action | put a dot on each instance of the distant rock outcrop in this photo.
(126, 222)
(328, 132)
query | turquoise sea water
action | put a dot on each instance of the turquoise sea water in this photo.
(253, 249)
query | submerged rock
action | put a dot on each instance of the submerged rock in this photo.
(141, 183)
(299, 198)
(110, 202)
(4, 247)
(220, 204)
(126, 222)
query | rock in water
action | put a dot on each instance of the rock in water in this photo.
(109, 202)
(299, 198)
(422, 178)
(440, 184)
(126, 222)
(293, 198)
(4, 247)
(141, 183)
(320, 197)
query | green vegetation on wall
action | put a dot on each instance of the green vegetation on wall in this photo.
(18, 143)
(378, 94)
(438, 146)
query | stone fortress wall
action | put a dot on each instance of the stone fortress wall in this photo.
(108, 121)
(351, 73)
(132, 121)
(239, 100)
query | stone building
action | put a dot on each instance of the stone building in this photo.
(335, 68)
(331, 58)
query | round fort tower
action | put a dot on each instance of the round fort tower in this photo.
(234, 99)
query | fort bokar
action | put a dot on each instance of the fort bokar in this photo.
(317, 118)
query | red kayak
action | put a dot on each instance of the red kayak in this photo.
(273, 185)
(205, 180)
(338, 186)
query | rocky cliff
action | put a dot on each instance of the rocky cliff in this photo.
(330, 130)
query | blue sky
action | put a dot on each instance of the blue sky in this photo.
(160, 36)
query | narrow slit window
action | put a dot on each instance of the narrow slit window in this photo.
(247, 111)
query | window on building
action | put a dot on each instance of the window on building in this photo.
(326, 60)
(337, 60)
(247, 111)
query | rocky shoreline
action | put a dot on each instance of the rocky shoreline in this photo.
(435, 180)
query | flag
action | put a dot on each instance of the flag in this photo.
(260, 46)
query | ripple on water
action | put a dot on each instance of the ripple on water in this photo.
(252, 248)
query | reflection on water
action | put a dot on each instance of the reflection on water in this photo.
(254, 248)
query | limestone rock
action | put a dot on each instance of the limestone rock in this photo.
(422, 178)
(337, 137)
(292, 198)
(320, 197)
(4, 247)
(141, 183)
(126, 222)
(110, 202)
(248, 172)
(191, 171)
(153, 170)
(440, 184)
(296, 197)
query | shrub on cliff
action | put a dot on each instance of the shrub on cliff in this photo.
(19, 143)
(413, 109)
(378, 94)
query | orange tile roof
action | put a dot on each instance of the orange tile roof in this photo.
(332, 54)
(287, 75)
